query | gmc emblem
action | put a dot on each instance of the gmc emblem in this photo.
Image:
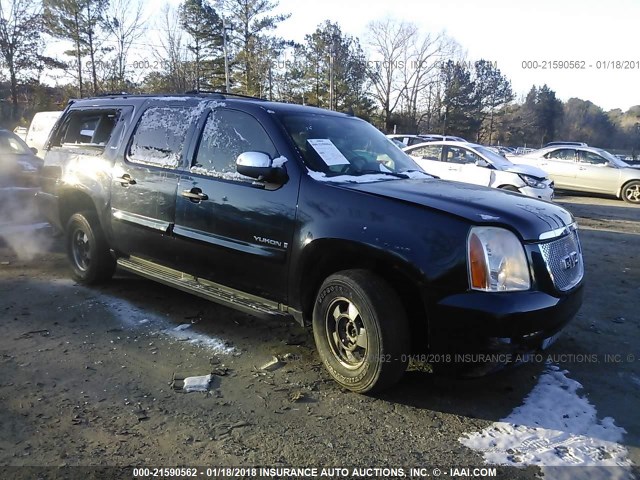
(570, 260)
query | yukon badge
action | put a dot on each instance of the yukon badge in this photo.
(268, 241)
(570, 260)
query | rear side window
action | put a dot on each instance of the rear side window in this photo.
(562, 154)
(160, 136)
(92, 128)
(430, 152)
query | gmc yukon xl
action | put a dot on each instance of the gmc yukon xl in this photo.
(283, 210)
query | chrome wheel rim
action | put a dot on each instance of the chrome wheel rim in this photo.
(632, 193)
(346, 333)
(81, 250)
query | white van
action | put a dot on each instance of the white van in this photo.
(40, 128)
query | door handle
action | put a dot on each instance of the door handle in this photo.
(582, 168)
(126, 180)
(195, 195)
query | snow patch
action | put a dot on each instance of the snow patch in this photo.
(222, 175)
(133, 317)
(194, 338)
(279, 162)
(367, 178)
(554, 427)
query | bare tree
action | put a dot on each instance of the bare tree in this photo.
(172, 55)
(124, 24)
(422, 60)
(389, 40)
(20, 34)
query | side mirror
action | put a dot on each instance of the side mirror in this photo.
(259, 165)
(34, 150)
(482, 163)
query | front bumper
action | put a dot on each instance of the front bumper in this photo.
(482, 322)
(541, 193)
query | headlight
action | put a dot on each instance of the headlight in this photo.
(496, 261)
(533, 181)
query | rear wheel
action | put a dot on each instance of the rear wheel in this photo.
(361, 331)
(87, 250)
(631, 192)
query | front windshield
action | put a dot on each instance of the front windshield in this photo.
(498, 161)
(612, 158)
(334, 146)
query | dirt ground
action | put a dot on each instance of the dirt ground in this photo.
(86, 373)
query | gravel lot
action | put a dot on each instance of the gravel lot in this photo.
(87, 378)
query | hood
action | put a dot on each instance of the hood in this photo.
(479, 205)
(527, 170)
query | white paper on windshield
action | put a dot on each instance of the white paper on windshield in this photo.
(328, 151)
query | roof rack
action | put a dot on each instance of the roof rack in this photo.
(224, 94)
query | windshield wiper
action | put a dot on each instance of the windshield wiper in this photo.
(393, 174)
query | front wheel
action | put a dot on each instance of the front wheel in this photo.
(631, 192)
(87, 249)
(361, 331)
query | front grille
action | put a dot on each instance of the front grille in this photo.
(564, 260)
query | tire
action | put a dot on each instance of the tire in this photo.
(509, 188)
(87, 250)
(361, 331)
(631, 192)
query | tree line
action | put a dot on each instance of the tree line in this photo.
(398, 77)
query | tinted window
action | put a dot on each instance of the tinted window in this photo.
(431, 152)
(227, 134)
(461, 155)
(160, 136)
(11, 144)
(562, 154)
(87, 128)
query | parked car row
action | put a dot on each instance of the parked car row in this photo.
(586, 169)
(565, 165)
(471, 163)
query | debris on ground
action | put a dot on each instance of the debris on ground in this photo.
(297, 396)
(272, 365)
(200, 383)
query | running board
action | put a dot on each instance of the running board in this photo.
(226, 296)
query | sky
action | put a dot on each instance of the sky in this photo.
(510, 33)
(513, 34)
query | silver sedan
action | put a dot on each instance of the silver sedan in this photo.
(586, 169)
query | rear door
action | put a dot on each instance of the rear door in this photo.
(561, 165)
(429, 158)
(145, 180)
(231, 229)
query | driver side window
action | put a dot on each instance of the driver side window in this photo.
(227, 134)
(591, 158)
(461, 156)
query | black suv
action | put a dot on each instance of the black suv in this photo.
(285, 210)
